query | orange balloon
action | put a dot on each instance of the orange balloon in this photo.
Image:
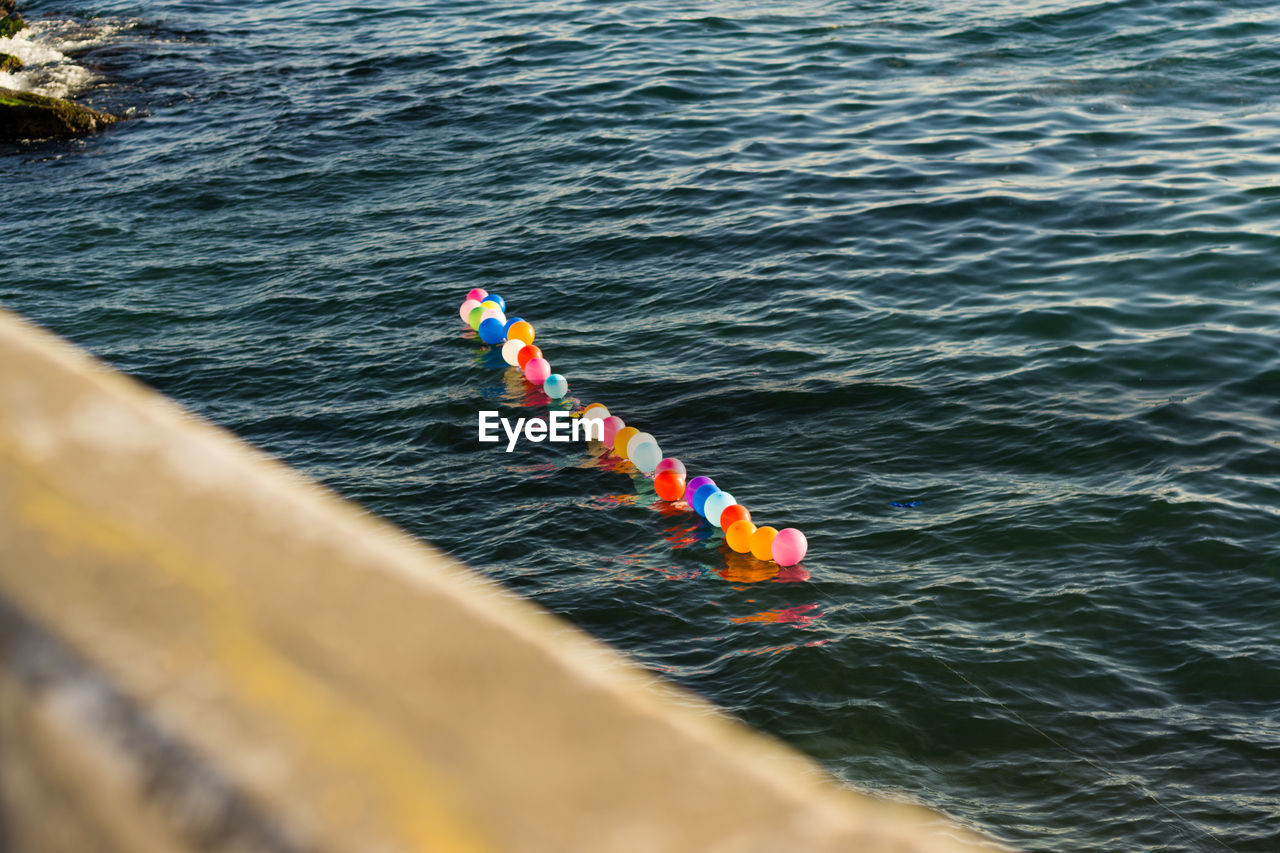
(521, 331)
(669, 485)
(762, 542)
(620, 439)
(529, 351)
(739, 533)
(732, 513)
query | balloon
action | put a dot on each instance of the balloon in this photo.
(511, 351)
(495, 314)
(491, 331)
(646, 455)
(493, 297)
(612, 426)
(465, 311)
(638, 439)
(595, 410)
(555, 386)
(669, 485)
(477, 293)
(699, 501)
(671, 464)
(762, 542)
(511, 321)
(789, 547)
(716, 503)
(732, 515)
(473, 319)
(488, 302)
(738, 534)
(521, 330)
(692, 486)
(536, 370)
(621, 439)
(527, 354)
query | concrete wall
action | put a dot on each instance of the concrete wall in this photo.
(202, 650)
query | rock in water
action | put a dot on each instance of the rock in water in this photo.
(10, 21)
(25, 115)
(11, 24)
(9, 62)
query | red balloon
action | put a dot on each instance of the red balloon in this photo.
(732, 513)
(529, 351)
(669, 485)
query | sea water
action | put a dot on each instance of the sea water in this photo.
(981, 296)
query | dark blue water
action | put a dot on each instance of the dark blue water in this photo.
(1016, 261)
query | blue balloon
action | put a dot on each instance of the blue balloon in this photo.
(492, 331)
(716, 504)
(510, 322)
(493, 297)
(701, 495)
(555, 385)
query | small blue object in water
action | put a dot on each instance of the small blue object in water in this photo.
(905, 505)
(700, 497)
(492, 331)
(555, 386)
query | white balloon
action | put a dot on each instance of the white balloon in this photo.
(646, 455)
(717, 503)
(511, 351)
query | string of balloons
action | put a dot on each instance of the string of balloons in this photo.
(486, 313)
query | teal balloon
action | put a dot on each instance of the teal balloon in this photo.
(555, 386)
(715, 504)
(646, 456)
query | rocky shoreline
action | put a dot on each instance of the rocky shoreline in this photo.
(28, 116)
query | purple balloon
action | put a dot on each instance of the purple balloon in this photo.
(692, 486)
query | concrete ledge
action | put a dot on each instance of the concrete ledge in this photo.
(205, 651)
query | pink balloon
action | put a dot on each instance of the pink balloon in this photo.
(671, 464)
(536, 370)
(789, 547)
(612, 424)
(465, 311)
(477, 293)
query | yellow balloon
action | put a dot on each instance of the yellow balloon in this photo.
(739, 535)
(488, 303)
(620, 440)
(762, 542)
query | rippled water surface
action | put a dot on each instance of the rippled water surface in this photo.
(1014, 261)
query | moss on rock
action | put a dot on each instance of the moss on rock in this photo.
(25, 115)
(10, 25)
(9, 62)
